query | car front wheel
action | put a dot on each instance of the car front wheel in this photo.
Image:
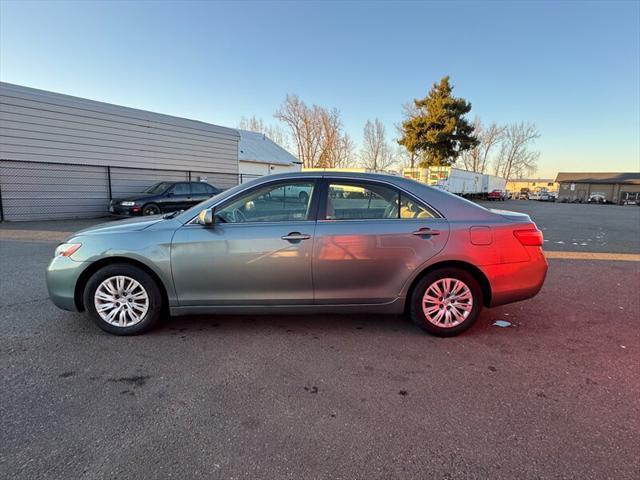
(150, 209)
(123, 299)
(446, 302)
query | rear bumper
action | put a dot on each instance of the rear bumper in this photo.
(512, 282)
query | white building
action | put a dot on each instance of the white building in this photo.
(259, 155)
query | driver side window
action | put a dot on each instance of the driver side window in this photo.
(282, 202)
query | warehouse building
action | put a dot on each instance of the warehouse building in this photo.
(67, 157)
(617, 187)
(259, 156)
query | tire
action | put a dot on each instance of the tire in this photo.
(145, 284)
(151, 209)
(474, 291)
(303, 197)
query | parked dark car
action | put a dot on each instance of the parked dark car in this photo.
(163, 197)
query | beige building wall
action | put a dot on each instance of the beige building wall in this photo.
(532, 184)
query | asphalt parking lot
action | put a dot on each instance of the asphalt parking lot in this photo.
(555, 395)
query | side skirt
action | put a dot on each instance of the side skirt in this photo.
(395, 307)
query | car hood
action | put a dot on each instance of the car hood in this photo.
(120, 226)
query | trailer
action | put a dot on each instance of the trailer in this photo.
(491, 183)
(455, 180)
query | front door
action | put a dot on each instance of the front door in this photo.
(178, 197)
(369, 240)
(258, 251)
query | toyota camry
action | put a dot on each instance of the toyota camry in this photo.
(315, 242)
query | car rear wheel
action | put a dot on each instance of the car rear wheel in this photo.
(151, 209)
(123, 299)
(446, 302)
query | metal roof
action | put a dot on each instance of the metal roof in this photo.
(11, 90)
(599, 177)
(257, 147)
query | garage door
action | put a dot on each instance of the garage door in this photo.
(43, 191)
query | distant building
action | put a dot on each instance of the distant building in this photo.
(617, 187)
(533, 184)
(258, 155)
(339, 169)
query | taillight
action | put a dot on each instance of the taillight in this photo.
(531, 237)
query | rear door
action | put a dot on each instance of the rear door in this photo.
(199, 192)
(370, 238)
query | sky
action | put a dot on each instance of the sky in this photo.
(572, 68)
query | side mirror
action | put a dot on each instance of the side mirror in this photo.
(207, 217)
(170, 193)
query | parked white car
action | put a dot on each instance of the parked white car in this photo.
(597, 197)
(534, 195)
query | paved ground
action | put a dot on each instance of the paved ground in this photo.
(582, 227)
(553, 396)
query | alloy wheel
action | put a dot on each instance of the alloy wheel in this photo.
(447, 302)
(121, 301)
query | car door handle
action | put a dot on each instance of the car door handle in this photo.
(296, 237)
(424, 231)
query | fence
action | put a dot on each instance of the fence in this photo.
(47, 191)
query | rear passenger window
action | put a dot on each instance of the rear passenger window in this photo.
(199, 189)
(409, 208)
(353, 201)
(181, 189)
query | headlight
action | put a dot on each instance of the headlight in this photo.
(127, 204)
(66, 249)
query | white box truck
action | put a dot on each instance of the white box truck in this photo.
(492, 182)
(455, 180)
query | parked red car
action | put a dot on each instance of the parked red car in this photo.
(497, 195)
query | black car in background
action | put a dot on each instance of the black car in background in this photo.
(163, 197)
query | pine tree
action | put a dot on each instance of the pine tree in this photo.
(437, 131)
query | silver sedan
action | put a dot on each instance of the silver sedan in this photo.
(304, 243)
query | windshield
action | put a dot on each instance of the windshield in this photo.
(158, 187)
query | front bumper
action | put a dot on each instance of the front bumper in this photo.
(117, 209)
(512, 282)
(62, 277)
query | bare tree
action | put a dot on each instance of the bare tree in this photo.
(317, 133)
(516, 159)
(376, 153)
(477, 159)
(342, 154)
(274, 132)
